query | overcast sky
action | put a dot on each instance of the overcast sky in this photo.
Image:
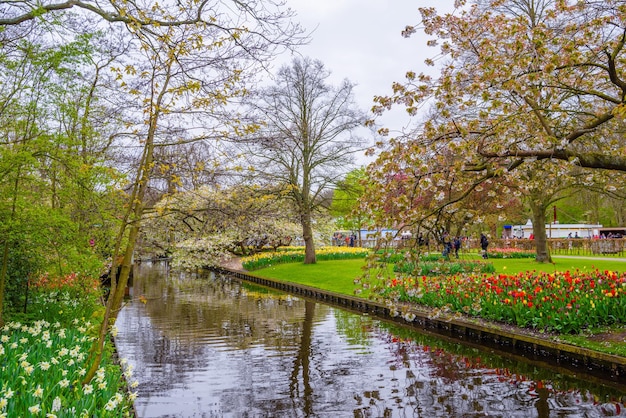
(360, 40)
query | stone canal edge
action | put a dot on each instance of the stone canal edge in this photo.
(510, 341)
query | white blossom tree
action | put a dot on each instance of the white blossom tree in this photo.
(204, 227)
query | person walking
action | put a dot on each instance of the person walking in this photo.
(447, 246)
(484, 243)
(456, 244)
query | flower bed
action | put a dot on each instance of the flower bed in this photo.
(296, 254)
(564, 302)
(63, 299)
(510, 253)
(42, 367)
(43, 362)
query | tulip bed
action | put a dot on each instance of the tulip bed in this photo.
(43, 362)
(296, 254)
(565, 302)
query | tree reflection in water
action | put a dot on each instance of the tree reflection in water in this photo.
(207, 346)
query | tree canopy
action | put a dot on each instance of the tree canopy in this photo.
(205, 226)
(524, 79)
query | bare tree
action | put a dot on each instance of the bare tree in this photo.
(307, 140)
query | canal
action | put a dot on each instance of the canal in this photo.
(212, 346)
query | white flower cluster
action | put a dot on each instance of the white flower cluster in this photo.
(41, 366)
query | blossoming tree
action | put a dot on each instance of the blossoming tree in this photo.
(203, 227)
(519, 81)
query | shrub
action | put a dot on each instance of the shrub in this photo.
(62, 299)
(399, 256)
(510, 253)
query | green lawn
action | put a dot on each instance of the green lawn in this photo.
(513, 266)
(333, 275)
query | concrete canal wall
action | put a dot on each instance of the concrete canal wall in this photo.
(513, 341)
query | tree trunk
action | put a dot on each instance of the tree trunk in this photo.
(118, 283)
(309, 242)
(539, 230)
(131, 223)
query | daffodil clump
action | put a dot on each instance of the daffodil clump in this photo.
(41, 369)
(296, 254)
(43, 362)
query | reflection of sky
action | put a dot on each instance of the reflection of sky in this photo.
(253, 357)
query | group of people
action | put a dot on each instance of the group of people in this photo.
(340, 239)
(453, 245)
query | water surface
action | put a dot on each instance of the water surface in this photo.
(214, 347)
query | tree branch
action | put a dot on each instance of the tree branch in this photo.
(582, 159)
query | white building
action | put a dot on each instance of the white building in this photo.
(555, 230)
